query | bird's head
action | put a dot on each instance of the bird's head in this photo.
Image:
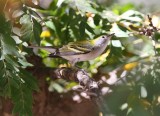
(108, 37)
(103, 39)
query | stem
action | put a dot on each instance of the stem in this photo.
(154, 45)
(5, 5)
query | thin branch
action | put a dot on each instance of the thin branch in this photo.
(5, 5)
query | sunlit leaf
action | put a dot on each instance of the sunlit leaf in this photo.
(25, 19)
(110, 16)
(143, 92)
(82, 5)
(131, 13)
(89, 28)
(51, 25)
(24, 63)
(59, 2)
(116, 43)
(17, 13)
(26, 29)
(118, 32)
(9, 46)
(56, 86)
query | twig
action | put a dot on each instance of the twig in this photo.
(5, 5)
(149, 31)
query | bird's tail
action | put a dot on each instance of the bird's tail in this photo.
(47, 48)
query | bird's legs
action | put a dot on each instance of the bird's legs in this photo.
(73, 62)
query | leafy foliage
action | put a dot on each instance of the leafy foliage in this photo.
(15, 82)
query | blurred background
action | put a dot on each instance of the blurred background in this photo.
(127, 72)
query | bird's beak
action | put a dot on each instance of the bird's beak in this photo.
(110, 35)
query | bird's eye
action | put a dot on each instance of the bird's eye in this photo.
(103, 37)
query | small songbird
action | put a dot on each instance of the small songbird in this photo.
(79, 51)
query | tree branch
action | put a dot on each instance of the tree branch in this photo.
(78, 75)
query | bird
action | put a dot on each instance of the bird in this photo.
(79, 51)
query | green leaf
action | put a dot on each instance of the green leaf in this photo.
(11, 60)
(26, 29)
(118, 32)
(22, 99)
(28, 97)
(82, 28)
(131, 13)
(116, 43)
(82, 5)
(56, 86)
(3, 79)
(126, 7)
(110, 16)
(7, 89)
(24, 63)
(53, 5)
(117, 51)
(97, 19)
(143, 92)
(26, 32)
(11, 63)
(5, 25)
(2, 72)
(8, 46)
(14, 82)
(51, 25)
(17, 107)
(17, 39)
(16, 94)
(11, 67)
(60, 2)
(34, 13)
(89, 29)
(30, 81)
(37, 29)
(25, 19)
(1, 65)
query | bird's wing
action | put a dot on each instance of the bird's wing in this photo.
(76, 48)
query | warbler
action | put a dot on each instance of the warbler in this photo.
(79, 51)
